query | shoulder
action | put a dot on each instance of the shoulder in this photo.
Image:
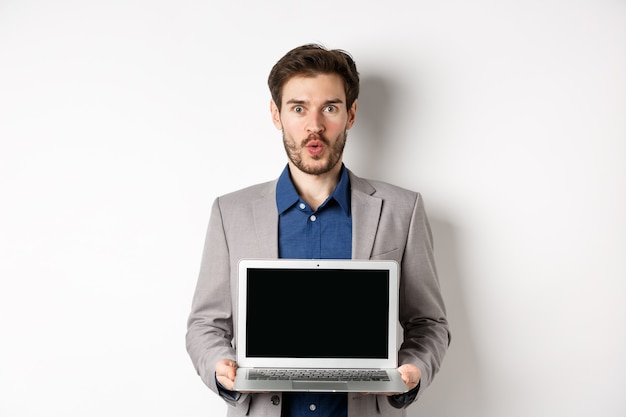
(383, 190)
(249, 194)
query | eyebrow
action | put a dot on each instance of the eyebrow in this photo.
(331, 101)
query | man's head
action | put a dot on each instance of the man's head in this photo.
(314, 101)
(311, 60)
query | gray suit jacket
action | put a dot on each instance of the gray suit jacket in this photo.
(388, 222)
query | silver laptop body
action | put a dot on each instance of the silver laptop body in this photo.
(317, 326)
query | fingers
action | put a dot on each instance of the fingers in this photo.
(225, 371)
(410, 374)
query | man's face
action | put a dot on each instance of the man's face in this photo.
(314, 120)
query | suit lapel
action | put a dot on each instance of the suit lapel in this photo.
(266, 223)
(365, 217)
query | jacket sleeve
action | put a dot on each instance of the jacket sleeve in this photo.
(422, 309)
(210, 323)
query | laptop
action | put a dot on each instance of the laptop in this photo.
(317, 326)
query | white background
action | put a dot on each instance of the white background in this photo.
(121, 121)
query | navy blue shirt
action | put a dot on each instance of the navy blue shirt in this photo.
(304, 233)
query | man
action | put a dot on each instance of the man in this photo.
(317, 209)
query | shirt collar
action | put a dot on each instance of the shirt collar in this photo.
(287, 196)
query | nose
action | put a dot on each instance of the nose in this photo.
(314, 123)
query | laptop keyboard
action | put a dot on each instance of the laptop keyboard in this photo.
(318, 375)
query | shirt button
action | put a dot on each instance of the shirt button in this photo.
(302, 206)
(313, 218)
(312, 407)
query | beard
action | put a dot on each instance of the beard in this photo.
(329, 159)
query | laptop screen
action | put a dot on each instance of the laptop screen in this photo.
(317, 313)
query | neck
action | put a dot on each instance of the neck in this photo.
(315, 189)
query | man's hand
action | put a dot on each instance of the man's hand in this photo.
(225, 371)
(410, 374)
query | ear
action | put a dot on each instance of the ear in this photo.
(275, 115)
(351, 115)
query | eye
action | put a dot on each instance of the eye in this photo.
(298, 109)
(330, 109)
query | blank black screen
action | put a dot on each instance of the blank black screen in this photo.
(317, 313)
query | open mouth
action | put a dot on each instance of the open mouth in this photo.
(315, 147)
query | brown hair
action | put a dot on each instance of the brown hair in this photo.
(310, 60)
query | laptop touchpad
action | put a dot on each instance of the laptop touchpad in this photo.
(319, 386)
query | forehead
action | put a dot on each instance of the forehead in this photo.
(321, 87)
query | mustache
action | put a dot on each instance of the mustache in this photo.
(315, 136)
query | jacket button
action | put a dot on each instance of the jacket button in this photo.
(275, 399)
